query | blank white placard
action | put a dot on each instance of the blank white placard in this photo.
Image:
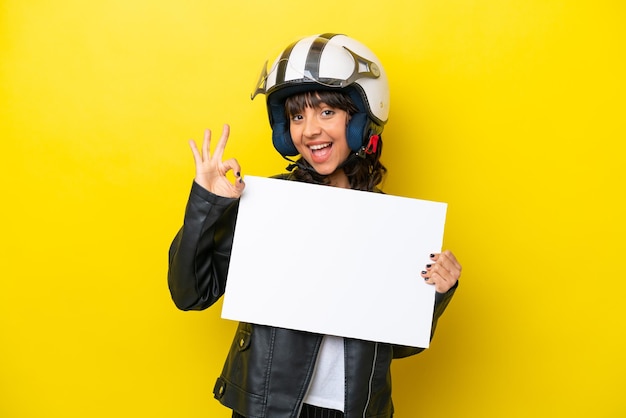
(333, 261)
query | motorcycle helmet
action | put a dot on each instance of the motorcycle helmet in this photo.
(327, 62)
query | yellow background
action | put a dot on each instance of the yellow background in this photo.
(510, 111)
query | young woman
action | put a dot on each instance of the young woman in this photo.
(328, 100)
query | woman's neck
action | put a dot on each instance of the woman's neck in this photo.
(339, 179)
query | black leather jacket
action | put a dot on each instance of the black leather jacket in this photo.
(268, 369)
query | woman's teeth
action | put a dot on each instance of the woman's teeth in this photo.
(318, 147)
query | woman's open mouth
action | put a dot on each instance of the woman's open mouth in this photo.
(320, 152)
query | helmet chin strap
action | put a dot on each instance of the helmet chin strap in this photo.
(294, 164)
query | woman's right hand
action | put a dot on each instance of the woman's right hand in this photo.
(211, 170)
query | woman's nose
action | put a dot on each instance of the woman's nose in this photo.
(311, 127)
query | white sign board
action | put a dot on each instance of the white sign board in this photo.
(333, 261)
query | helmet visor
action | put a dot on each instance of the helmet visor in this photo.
(284, 71)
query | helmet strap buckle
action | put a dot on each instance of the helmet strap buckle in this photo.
(370, 148)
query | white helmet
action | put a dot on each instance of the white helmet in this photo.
(327, 62)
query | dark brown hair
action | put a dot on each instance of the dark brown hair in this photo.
(364, 172)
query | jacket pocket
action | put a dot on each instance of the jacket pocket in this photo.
(242, 384)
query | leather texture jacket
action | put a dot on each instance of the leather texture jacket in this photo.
(268, 370)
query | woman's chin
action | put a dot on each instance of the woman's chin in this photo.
(323, 170)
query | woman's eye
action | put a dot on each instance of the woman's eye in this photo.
(296, 118)
(328, 112)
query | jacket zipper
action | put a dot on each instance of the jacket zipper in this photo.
(369, 387)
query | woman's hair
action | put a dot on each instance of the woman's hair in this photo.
(364, 173)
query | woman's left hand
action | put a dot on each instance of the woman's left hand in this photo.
(443, 272)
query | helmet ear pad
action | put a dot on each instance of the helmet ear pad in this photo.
(357, 130)
(356, 133)
(281, 138)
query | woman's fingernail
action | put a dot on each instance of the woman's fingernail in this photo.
(424, 272)
(238, 173)
(428, 266)
(432, 256)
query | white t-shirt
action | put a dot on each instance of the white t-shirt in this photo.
(328, 383)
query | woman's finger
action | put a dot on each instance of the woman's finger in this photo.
(197, 158)
(450, 260)
(221, 145)
(206, 145)
(232, 164)
(447, 260)
(443, 272)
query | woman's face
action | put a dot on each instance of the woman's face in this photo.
(319, 135)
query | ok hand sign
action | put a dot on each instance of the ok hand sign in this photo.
(211, 170)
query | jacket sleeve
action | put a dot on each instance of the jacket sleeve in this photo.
(200, 253)
(441, 302)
